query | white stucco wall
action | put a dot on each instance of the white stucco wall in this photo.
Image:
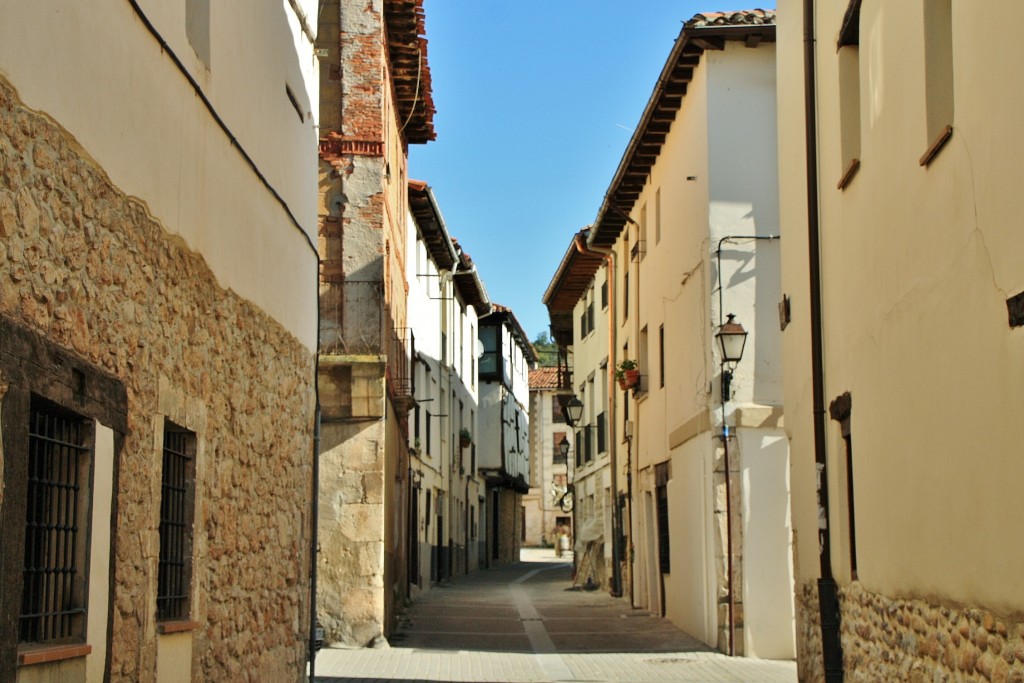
(97, 71)
(768, 613)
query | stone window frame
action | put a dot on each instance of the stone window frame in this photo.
(32, 365)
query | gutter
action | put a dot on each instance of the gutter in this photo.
(828, 597)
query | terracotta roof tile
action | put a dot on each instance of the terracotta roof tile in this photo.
(739, 18)
(544, 378)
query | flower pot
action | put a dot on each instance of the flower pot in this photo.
(464, 442)
(630, 378)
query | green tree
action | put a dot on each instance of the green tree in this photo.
(547, 350)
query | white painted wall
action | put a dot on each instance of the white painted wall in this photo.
(769, 619)
(98, 72)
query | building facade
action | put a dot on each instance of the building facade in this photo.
(375, 101)
(547, 509)
(157, 338)
(447, 496)
(503, 444)
(908, 479)
(579, 303)
(691, 224)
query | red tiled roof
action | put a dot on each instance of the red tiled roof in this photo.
(740, 18)
(544, 378)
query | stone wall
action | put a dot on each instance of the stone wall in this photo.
(895, 639)
(89, 268)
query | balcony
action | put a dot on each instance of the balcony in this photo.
(355, 321)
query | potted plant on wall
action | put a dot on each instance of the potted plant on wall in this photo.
(465, 438)
(627, 374)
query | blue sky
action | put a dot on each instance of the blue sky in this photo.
(536, 101)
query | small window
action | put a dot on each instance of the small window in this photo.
(55, 575)
(604, 294)
(177, 506)
(557, 415)
(657, 216)
(938, 75)
(295, 102)
(661, 356)
(625, 295)
(558, 458)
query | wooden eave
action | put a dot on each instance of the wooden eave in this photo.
(569, 284)
(431, 225)
(470, 287)
(660, 113)
(410, 72)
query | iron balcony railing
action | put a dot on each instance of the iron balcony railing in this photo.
(356, 320)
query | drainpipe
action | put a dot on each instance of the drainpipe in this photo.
(609, 257)
(828, 599)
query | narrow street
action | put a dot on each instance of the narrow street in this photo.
(526, 622)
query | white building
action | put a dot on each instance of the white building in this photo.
(691, 223)
(446, 496)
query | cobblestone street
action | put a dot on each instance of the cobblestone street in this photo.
(525, 623)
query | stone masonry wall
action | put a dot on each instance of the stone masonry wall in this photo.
(89, 268)
(892, 639)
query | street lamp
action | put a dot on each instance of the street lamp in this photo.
(573, 411)
(731, 339)
(563, 448)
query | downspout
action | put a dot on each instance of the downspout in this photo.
(314, 540)
(609, 257)
(828, 599)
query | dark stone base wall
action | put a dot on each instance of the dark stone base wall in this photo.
(895, 639)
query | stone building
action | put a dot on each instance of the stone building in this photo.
(446, 493)
(375, 100)
(503, 443)
(690, 229)
(157, 337)
(904, 352)
(547, 510)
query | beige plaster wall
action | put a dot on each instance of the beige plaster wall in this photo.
(918, 263)
(107, 81)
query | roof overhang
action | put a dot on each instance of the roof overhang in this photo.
(569, 284)
(410, 72)
(431, 226)
(702, 32)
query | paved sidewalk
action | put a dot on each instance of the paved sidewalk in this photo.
(525, 624)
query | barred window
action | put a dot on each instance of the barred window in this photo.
(55, 577)
(177, 502)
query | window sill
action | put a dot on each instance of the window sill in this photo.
(52, 653)
(933, 149)
(176, 626)
(848, 174)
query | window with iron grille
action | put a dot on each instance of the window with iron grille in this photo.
(55, 577)
(177, 503)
